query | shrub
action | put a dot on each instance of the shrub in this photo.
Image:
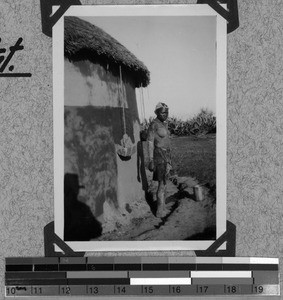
(203, 123)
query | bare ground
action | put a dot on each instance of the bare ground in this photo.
(187, 219)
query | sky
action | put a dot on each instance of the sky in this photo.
(179, 52)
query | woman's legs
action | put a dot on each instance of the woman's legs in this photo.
(161, 190)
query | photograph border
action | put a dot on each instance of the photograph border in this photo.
(221, 116)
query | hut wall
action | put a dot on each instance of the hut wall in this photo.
(90, 84)
(94, 124)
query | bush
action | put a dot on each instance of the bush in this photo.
(203, 123)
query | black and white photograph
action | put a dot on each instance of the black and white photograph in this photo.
(140, 127)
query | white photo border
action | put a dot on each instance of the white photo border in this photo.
(58, 123)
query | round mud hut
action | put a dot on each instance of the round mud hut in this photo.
(102, 129)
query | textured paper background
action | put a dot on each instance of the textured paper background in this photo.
(255, 130)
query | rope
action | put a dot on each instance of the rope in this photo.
(142, 104)
(126, 148)
(148, 97)
(123, 107)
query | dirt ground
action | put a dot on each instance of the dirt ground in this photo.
(187, 217)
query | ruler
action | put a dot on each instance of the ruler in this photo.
(141, 276)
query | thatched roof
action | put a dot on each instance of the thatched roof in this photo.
(83, 40)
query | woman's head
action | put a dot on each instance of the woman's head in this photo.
(161, 111)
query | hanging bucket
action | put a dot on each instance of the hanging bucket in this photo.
(126, 148)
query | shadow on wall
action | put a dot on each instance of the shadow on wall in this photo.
(141, 168)
(90, 136)
(141, 176)
(79, 222)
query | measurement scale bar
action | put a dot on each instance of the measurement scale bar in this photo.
(141, 276)
(159, 274)
(221, 274)
(160, 281)
(227, 281)
(95, 274)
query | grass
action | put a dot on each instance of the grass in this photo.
(196, 157)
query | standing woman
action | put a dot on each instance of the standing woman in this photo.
(160, 154)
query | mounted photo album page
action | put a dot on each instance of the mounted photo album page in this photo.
(140, 127)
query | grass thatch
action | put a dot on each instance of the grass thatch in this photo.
(83, 40)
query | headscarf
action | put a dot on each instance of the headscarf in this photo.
(160, 105)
